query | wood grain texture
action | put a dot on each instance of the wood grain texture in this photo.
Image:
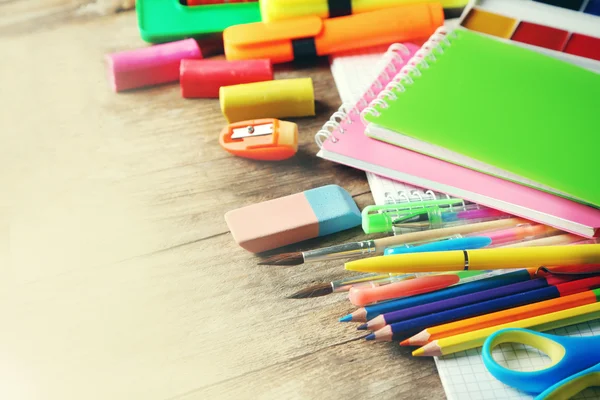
(118, 277)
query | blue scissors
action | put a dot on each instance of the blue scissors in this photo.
(575, 363)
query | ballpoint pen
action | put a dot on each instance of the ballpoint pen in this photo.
(461, 243)
(496, 258)
(374, 280)
(477, 240)
(377, 246)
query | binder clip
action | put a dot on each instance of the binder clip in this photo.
(262, 139)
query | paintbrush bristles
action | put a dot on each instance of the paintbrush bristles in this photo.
(321, 289)
(284, 259)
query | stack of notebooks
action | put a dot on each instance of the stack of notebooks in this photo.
(501, 111)
(488, 112)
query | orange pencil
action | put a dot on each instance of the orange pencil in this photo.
(502, 317)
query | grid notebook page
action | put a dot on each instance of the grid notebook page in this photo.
(353, 73)
(465, 377)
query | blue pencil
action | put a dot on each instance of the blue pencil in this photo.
(459, 301)
(369, 312)
(405, 329)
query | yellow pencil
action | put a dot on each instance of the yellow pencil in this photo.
(471, 340)
(482, 259)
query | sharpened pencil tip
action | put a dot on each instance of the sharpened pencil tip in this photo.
(362, 327)
(370, 337)
(346, 318)
(418, 352)
(405, 342)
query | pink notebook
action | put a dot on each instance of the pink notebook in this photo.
(342, 140)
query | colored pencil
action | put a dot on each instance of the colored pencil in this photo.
(404, 329)
(459, 301)
(502, 317)
(472, 340)
(482, 259)
(369, 312)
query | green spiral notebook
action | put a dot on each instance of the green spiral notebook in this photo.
(499, 109)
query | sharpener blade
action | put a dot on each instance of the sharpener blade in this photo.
(252, 130)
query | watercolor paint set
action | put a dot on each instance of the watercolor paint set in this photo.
(570, 32)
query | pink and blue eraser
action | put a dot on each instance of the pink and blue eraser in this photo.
(291, 219)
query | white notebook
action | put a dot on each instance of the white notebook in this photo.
(463, 375)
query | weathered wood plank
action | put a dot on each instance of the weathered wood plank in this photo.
(119, 277)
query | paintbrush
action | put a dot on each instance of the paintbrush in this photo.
(344, 285)
(378, 246)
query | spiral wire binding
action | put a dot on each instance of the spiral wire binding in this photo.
(420, 61)
(393, 55)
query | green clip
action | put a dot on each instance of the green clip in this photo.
(376, 219)
(162, 21)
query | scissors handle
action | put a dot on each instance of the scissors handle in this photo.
(569, 387)
(569, 356)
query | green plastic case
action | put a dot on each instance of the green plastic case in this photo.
(162, 21)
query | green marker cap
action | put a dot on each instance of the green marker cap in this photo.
(377, 219)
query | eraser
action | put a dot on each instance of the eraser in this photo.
(290, 219)
(204, 78)
(149, 65)
(271, 99)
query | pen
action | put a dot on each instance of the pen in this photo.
(466, 243)
(477, 240)
(519, 234)
(496, 258)
(377, 246)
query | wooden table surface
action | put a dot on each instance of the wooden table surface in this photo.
(119, 278)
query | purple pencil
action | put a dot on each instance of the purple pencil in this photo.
(460, 301)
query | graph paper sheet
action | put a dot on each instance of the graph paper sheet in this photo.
(463, 375)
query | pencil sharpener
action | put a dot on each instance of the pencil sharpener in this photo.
(266, 139)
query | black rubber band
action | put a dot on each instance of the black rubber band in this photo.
(304, 49)
(466, 253)
(339, 8)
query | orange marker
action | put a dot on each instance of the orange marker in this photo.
(502, 317)
(294, 39)
(361, 296)
(262, 139)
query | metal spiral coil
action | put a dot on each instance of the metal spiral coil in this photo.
(422, 60)
(395, 54)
